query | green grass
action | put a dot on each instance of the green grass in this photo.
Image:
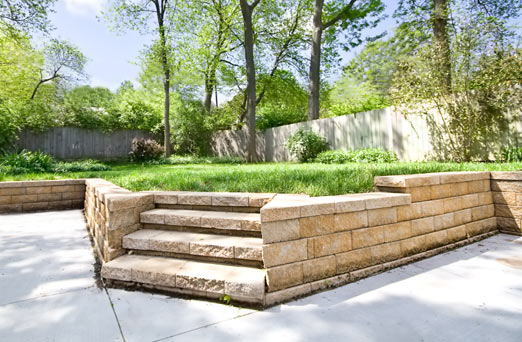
(312, 179)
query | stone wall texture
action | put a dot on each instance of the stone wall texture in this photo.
(17, 197)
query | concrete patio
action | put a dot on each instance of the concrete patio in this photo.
(48, 292)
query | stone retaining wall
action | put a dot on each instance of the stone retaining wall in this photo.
(111, 213)
(507, 196)
(314, 243)
(17, 197)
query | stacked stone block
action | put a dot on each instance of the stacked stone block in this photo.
(113, 212)
(313, 243)
(507, 195)
(27, 196)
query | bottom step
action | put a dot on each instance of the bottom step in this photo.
(241, 284)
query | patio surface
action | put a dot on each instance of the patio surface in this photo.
(48, 292)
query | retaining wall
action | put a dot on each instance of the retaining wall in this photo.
(17, 197)
(314, 243)
(507, 196)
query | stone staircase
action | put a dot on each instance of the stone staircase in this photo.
(199, 244)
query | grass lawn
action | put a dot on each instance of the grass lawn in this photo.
(312, 179)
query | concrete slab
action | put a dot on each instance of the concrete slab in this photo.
(82, 315)
(48, 293)
(43, 254)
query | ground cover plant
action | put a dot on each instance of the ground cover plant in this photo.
(312, 178)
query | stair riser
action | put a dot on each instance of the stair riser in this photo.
(247, 302)
(225, 261)
(252, 210)
(230, 232)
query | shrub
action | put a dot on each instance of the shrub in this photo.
(27, 162)
(368, 155)
(145, 150)
(305, 145)
(512, 154)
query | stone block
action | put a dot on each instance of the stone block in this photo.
(208, 249)
(420, 194)
(287, 294)
(24, 198)
(319, 268)
(278, 231)
(230, 200)
(397, 231)
(506, 175)
(279, 210)
(194, 198)
(506, 186)
(51, 197)
(165, 197)
(379, 217)
(63, 188)
(407, 181)
(332, 244)
(479, 186)
(441, 191)
(285, 276)
(316, 225)
(460, 176)
(413, 245)
(481, 227)
(38, 190)
(452, 204)
(35, 206)
(125, 201)
(469, 201)
(457, 233)
(482, 212)
(115, 237)
(367, 237)
(504, 197)
(409, 212)
(77, 195)
(5, 199)
(509, 225)
(385, 252)
(444, 221)
(285, 252)
(436, 239)
(10, 208)
(353, 260)
(422, 226)
(349, 203)
(433, 208)
(121, 218)
(462, 217)
(504, 211)
(351, 220)
(12, 191)
(378, 200)
(459, 189)
(485, 198)
(318, 206)
(259, 200)
(248, 253)
(310, 247)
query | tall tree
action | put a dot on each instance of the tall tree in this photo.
(351, 17)
(63, 62)
(25, 15)
(139, 15)
(247, 10)
(441, 44)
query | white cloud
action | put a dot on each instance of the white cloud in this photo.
(84, 7)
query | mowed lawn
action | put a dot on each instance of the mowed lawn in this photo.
(312, 179)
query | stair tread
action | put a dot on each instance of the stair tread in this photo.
(239, 281)
(204, 219)
(211, 245)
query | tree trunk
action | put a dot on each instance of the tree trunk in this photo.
(246, 10)
(166, 82)
(208, 97)
(315, 63)
(441, 41)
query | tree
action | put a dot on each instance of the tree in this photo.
(138, 15)
(25, 15)
(63, 62)
(248, 45)
(350, 17)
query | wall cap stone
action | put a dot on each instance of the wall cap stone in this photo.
(507, 175)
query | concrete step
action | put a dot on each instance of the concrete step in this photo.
(212, 199)
(200, 279)
(195, 244)
(232, 221)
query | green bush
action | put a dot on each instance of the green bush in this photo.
(38, 162)
(192, 130)
(512, 154)
(305, 145)
(367, 155)
(27, 162)
(144, 150)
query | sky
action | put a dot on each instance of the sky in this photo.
(111, 55)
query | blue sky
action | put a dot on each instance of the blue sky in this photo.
(111, 55)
